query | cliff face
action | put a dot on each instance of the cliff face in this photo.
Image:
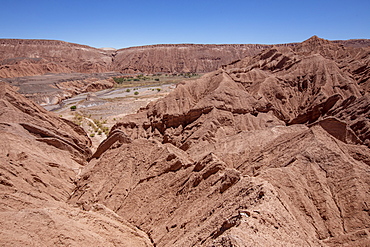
(180, 58)
(36, 57)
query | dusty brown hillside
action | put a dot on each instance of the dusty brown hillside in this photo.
(41, 156)
(270, 150)
(180, 58)
(20, 57)
(36, 57)
(192, 57)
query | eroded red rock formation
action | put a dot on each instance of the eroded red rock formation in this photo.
(36, 57)
(41, 157)
(271, 150)
(266, 151)
(21, 57)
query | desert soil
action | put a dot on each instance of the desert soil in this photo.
(270, 150)
(107, 106)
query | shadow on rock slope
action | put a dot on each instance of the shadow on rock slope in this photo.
(40, 161)
(270, 150)
(267, 151)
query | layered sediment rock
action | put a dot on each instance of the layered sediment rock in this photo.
(36, 57)
(270, 150)
(21, 57)
(266, 151)
(41, 157)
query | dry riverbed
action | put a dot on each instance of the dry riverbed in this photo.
(98, 112)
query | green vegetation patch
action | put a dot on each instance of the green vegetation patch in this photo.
(153, 80)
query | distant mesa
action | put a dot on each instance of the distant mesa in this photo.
(36, 57)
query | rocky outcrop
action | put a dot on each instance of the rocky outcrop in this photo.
(180, 58)
(36, 57)
(339, 129)
(356, 113)
(20, 57)
(41, 158)
(277, 87)
(265, 151)
(270, 150)
(61, 61)
(115, 138)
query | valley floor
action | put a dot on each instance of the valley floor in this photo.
(107, 107)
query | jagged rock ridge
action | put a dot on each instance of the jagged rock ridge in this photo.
(36, 57)
(41, 157)
(271, 150)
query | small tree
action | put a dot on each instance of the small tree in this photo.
(119, 80)
(73, 108)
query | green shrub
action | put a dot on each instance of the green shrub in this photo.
(73, 108)
(128, 90)
(119, 80)
(106, 130)
(136, 93)
(92, 135)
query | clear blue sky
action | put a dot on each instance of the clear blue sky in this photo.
(122, 24)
